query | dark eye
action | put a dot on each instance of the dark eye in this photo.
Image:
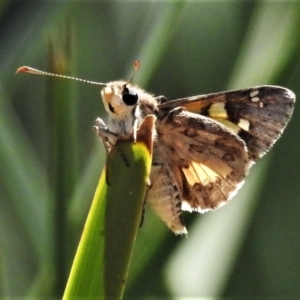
(129, 96)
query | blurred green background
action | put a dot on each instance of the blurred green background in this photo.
(50, 159)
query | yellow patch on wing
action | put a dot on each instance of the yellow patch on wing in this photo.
(196, 106)
(231, 126)
(217, 110)
(197, 172)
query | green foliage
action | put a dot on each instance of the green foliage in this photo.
(50, 160)
(102, 260)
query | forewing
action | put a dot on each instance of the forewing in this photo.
(210, 161)
(258, 115)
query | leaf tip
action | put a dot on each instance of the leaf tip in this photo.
(146, 132)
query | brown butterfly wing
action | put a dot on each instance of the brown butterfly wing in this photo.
(258, 115)
(208, 161)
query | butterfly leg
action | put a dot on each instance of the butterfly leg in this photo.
(108, 137)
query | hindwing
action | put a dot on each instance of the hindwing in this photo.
(208, 161)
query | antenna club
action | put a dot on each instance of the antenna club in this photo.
(136, 65)
(23, 69)
(26, 69)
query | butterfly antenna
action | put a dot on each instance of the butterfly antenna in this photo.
(136, 66)
(25, 69)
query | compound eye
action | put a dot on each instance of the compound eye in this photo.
(129, 96)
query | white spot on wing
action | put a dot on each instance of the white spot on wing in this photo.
(254, 93)
(255, 99)
(244, 124)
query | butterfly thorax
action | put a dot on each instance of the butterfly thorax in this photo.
(126, 103)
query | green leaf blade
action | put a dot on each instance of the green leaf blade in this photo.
(102, 261)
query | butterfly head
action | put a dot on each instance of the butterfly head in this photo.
(119, 98)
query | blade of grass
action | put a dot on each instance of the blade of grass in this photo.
(262, 57)
(63, 153)
(30, 220)
(102, 260)
(157, 40)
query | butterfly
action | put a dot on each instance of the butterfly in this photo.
(204, 145)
